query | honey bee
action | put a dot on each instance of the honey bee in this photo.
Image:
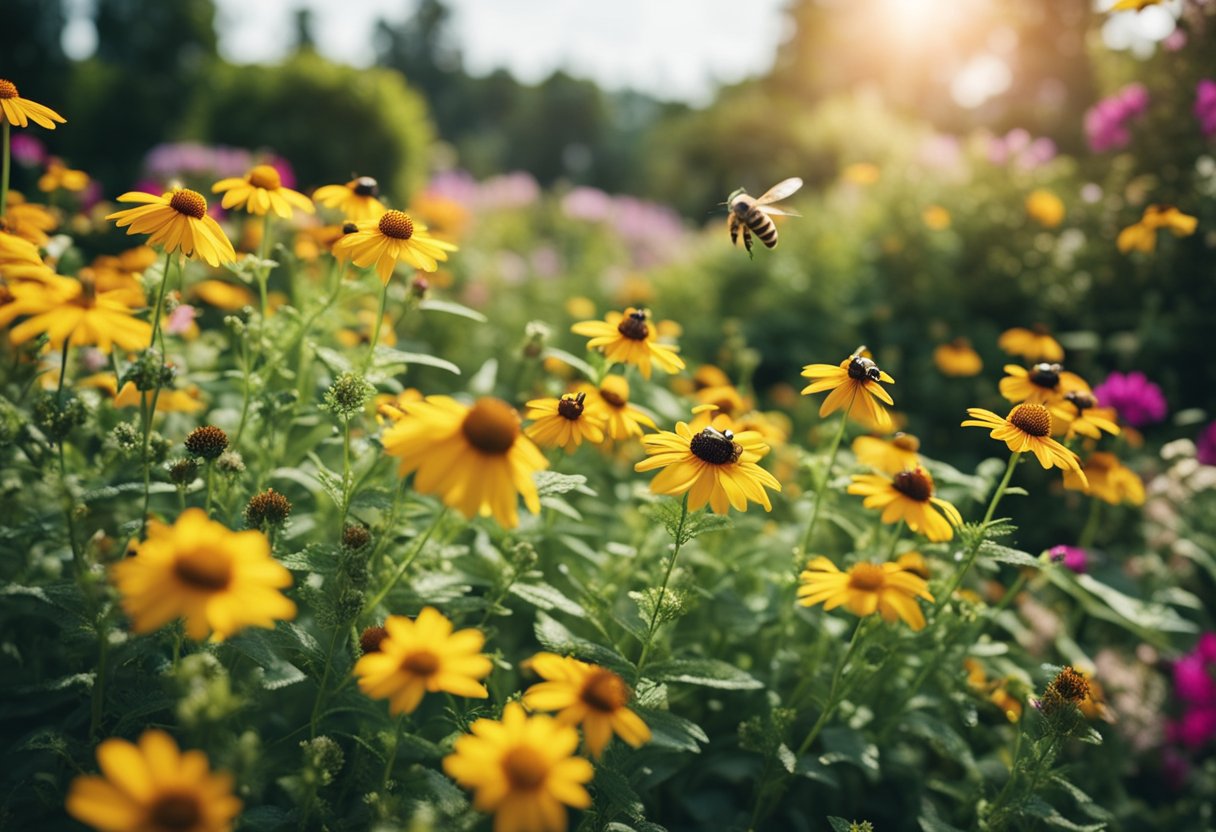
(752, 215)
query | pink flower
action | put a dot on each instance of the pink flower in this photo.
(1193, 680)
(27, 150)
(1196, 728)
(1137, 400)
(1205, 106)
(180, 319)
(1205, 450)
(1106, 123)
(1072, 557)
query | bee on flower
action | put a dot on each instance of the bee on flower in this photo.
(1078, 414)
(357, 200)
(630, 338)
(566, 422)
(855, 389)
(1042, 384)
(393, 237)
(1027, 428)
(622, 419)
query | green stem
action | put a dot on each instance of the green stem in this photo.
(1091, 524)
(804, 551)
(391, 757)
(210, 469)
(346, 477)
(371, 347)
(658, 605)
(835, 694)
(383, 593)
(4, 172)
(899, 527)
(159, 309)
(150, 412)
(329, 658)
(63, 366)
(99, 686)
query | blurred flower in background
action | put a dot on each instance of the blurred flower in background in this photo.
(1107, 122)
(1137, 400)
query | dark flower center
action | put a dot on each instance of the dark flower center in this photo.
(906, 442)
(915, 484)
(397, 224)
(1046, 375)
(174, 812)
(867, 577)
(203, 569)
(7, 89)
(605, 691)
(1069, 685)
(863, 369)
(634, 326)
(612, 398)
(571, 407)
(366, 186)
(1034, 419)
(370, 639)
(266, 177)
(1081, 400)
(188, 202)
(420, 663)
(525, 768)
(491, 426)
(208, 442)
(88, 292)
(716, 448)
(268, 507)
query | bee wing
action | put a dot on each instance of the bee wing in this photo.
(782, 212)
(780, 191)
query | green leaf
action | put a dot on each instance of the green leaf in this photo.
(810, 768)
(944, 739)
(669, 512)
(546, 597)
(844, 745)
(614, 790)
(549, 483)
(386, 357)
(1037, 808)
(839, 824)
(710, 673)
(265, 819)
(1147, 619)
(555, 636)
(315, 557)
(1005, 554)
(1084, 801)
(670, 731)
(930, 821)
(447, 306)
(566, 358)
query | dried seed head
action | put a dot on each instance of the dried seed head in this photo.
(355, 537)
(269, 508)
(207, 442)
(183, 471)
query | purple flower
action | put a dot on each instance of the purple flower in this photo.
(1193, 680)
(1072, 557)
(27, 150)
(1205, 446)
(1206, 647)
(1205, 106)
(1197, 727)
(1138, 401)
(1106, 123)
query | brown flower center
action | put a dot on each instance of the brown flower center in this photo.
(633, 326)
(173, 812)
(88, 291)
(906, 442)
(863, 369)
(868, 577)
(571, 407)
(525, 768)
(264, 176)
(366, 186)
(1045, 375)
(1069, 685)
(1081, 400)
(1034, 419)
(605, 691)
(397, 224)
(420, 663)
(915, 484)
(615, 391)
(188, 202)
(7, 89)
(491, 426)
(371, 638)
(612, 398)
(203, 569)
(716, 448)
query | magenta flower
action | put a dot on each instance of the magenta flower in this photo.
(1193, 680)
(1205, 106)
(1072, 557)
(1205, 446)
(27, 150)
(1106, 123)
(1138, 401)
(1196, 727)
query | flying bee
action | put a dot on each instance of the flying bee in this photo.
(751, 215)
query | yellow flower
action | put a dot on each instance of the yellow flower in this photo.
(395, 236)
(588, 695)
(1031, 344)
(19, 111)
(998, 693)
(909, 497)
(867, 588)
(261, 191)
(711, 466)
(958, 359)
(1043, 383)
(219, 581)
(580, 307)
(1026, 428)
(474, 458)
(423, 656)
(1133, 5)
(123, 270)
(861, 173)
(629, 339)
(899, 453)
(566, 422)
(936, 218)
(1105, 477)
(222, 294)
(855, 386)
(1078, 414)
(1045, 208)
(169, 401)
(26, 220)
(177, 221)
(392, 408)
(358, 199)
(17, 251)
(153, 787)
(915, 563)
(1142, 235)
(623, 419)
(58, 175)
(65, 309)
(523, 770)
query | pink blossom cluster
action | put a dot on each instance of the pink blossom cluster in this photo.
(1205, 106)
(509, 190)
(1019, 148)
(1195, 687)
(1137, 400)
(1106, 123)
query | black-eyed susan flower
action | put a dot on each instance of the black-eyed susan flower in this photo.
(523, 770)
(261, 191)
(1026, 428)
(899, 453)
(1142, 235)
(623, 420)
(19, 111)
(908, 496)
(566, 422)
(1105, 477)
(177, 221)
(223, 295)
(855, 387)
(394, 236)
(65, 309)
(59, 176)
(1078, 414)
(122, 270)
(1034, 345)
(1133, 5)
(358, 200)
(391, 408)
(475, 458)
(957, 359)
(866, 588)
(27, 220)
(710, 466)
(630, 338)
(218, 580)
(16, 251)
(153, 786)
(996, 691)
(915, 563)
(187, 400)
(423, 656)
(587, 695)
(1043, 383)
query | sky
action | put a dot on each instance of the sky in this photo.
(673, 49)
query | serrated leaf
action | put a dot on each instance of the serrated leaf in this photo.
(670, 731)
(1006, 554)
(546, 597)
(314, 557)
(710, 673)
(389, 357)
(614, 790)
(447, 306)
(557, 638)
(551, 482)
